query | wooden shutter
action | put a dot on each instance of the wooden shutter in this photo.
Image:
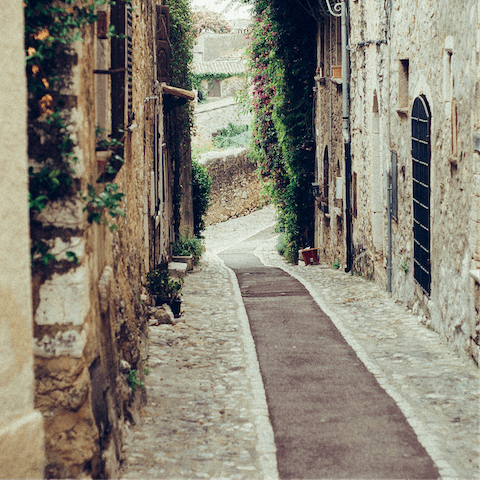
(163, 43)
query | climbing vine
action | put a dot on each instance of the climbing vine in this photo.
(182, 35)
(51, 28)
(282, 64)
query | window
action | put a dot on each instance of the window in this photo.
(403, 69)
(421, 155)
(121, 68)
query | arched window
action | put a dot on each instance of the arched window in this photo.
(421, 155)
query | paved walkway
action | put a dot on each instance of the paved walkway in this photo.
(206, 416)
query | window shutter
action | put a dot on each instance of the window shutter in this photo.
(163, 43)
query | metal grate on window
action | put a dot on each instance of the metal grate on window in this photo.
(421, 155)
(129, 64)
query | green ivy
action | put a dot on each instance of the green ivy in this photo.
(102, 201)
(201, 187)
(51, 27)
(282, 63)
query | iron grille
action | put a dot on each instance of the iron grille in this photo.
(421, 155)
(129, 65)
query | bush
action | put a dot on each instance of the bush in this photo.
(201, 186)
(188, 245)
(160, 283)
(233, 136)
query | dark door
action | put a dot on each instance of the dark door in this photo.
(421, 155)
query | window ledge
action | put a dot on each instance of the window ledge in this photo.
(453, 159)
(475, 274)
(338, 81)
(319, 79)
(403, 111)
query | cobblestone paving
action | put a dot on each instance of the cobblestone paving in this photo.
(206, 414)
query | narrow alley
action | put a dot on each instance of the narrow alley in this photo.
(207, 414)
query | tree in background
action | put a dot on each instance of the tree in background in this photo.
(207, 21)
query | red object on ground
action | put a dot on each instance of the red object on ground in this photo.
(310, 256)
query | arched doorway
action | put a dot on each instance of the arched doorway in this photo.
(421, 156)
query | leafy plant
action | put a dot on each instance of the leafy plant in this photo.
(282, 64)
(116, 160)
(134, 381)
(336, 264)
(161, 283)
(404, 265)
(201, 187)
(232, 136)
(100, 202)
(188, 245)
(40, 251)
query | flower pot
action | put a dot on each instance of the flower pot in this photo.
(310, 256)
(160, 300)
(188, 259)
(175, 305)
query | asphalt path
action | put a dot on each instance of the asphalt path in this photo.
(330, 417)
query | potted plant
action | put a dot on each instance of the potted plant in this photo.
(187, 249)
(165, 289)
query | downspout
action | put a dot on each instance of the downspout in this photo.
(389, 176)
(346, 136)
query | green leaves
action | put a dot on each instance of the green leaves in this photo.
(100, 203)
(282, 59)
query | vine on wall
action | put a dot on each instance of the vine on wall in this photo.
(51, 27)
(182, 35)
(282, 62)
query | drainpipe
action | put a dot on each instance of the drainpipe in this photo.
(346, 137)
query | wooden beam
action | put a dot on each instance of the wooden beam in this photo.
(178, 92)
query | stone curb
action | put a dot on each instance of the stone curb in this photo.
(425, 438)
(265, 440)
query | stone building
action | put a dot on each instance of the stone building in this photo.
(74, 331)
(397, 129)
(21, 427)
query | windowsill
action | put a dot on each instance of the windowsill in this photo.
(403, 111)
(338, 81)
(320, 79)
(453, 160)
(475, 274)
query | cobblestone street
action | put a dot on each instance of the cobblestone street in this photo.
(206, 415)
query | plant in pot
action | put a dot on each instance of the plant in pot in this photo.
(165, 289)
(188, 245)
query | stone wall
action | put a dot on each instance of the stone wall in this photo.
(90, 324)
(21, 427)
(212, 116)
(236, 189)
(397, 54)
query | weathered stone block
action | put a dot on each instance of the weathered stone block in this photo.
(70, 343)
(64, 299)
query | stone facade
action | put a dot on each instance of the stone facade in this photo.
(90, 332)
(400, 54)
(236, 189)
(21, 427)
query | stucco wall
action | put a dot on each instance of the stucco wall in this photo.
(235, 188)
(21, 427)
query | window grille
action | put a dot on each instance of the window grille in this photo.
(421, 156)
